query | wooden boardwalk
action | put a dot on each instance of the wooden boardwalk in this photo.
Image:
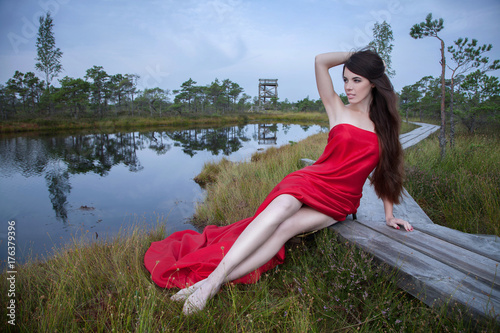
(438, 265)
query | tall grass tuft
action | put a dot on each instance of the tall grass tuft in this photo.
(90, 286)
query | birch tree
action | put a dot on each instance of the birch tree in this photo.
(382, 42)
(48, 55)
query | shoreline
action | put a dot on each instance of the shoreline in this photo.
(42, 125)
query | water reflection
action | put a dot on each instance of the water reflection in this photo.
(267, 134)
(88, 181)
(223, 140)
(59, 189)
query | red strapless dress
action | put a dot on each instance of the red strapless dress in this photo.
(332, 185)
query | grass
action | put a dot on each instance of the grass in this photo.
(461, 191)
(241, 187)
(325, 285)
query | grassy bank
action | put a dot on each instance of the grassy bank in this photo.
(461, 191)
(325, 285)
(129, 122)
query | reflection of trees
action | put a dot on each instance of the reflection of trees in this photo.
(60, 157)
(220, 140)
(21, 155)
(98, 153)
(157, 144)
(59, 189)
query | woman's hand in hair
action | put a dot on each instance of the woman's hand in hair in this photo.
(395, 223)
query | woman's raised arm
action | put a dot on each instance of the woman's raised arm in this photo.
(329, 97)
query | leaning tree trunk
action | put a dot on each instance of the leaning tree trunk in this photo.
(442, 132)
(452, 123)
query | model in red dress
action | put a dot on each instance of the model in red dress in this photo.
(309, 199)
(332, 186)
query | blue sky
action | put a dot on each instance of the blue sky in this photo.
(167, 42)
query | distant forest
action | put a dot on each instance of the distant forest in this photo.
(99, 94)
(476, 101)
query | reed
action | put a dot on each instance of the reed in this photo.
(127, 122)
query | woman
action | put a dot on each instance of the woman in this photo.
(363, 135)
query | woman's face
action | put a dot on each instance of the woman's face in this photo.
(357, 87)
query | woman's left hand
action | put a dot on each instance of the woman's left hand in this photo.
(395, 223)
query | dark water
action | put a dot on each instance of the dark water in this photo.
(57, 188)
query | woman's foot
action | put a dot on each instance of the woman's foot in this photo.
(198, 300)
(183, 294)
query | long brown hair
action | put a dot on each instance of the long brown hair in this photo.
(389, 173)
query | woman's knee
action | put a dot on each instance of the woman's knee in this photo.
(305, 220)
(287, 203)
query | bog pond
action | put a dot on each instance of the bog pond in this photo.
(60, 187)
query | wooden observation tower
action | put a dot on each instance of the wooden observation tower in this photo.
(268, 89)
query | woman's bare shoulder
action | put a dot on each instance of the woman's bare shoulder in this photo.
(346, 115)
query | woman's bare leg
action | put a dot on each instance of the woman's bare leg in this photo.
(305, 219)
(284, 205)
(254, 235)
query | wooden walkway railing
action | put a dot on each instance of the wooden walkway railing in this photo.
(436, 264)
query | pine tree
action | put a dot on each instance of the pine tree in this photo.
(430, 28)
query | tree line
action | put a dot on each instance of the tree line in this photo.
(101, 94)
(476, 99)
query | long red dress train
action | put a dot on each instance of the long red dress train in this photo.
(332, 185)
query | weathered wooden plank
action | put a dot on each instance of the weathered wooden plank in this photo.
(307, 161)
(371, 209)
(466, 261)
(430, 280)
(411, 138)
(486, 245)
